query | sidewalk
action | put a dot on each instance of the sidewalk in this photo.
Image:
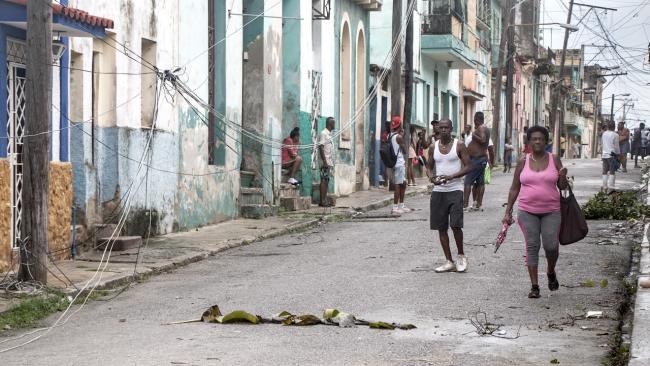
(167, 252)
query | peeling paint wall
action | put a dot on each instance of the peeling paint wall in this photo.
(212, 197)
(175, 180)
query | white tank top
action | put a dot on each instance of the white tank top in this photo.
(398, 150)
(448, 164)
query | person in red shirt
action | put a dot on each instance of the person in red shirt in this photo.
(290, 158)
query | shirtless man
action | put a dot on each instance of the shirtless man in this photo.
(624, 142)
(478, 152)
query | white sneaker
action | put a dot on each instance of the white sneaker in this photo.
(447, 267)
(292, 181)
(461, 263)
(396, 211)
(406, 209)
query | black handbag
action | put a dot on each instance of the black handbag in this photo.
(574, 226)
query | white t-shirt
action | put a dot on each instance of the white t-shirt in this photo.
(398, 150)
(610, 144)
(325, 140)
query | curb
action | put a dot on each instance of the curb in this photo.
(184, 260)
(387, 201)
(640, 342)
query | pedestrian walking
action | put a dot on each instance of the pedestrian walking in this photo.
(636, 144)
(624, 145)
(325, 152)
(611, 151)
(435, 134)
(536, 180)
(449, 161)
(410, 177)
(507, 156)
(399, 170)
(384, 172)
(477, 147)
(643, 143)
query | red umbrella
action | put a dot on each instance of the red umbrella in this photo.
(502, 236)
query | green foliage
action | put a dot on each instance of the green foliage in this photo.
(615, 206)
(31, 309)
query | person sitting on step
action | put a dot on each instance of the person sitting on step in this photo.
(290, 158)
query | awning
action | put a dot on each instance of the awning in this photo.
(470, 94)
(66, 21)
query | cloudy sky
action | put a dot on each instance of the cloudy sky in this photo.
(627, 29)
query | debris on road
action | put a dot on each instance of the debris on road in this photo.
(594, 314)
(330, 317)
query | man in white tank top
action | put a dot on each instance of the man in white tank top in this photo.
(448, 162)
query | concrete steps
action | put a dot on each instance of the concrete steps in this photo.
(104, 230)
(119, 243)
(251, 196)
(257, 211)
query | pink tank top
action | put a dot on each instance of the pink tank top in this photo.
(539, 193)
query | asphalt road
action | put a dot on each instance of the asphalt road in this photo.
(376, 269)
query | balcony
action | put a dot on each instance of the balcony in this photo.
(444, 33)
(483, 14)
(370, 5)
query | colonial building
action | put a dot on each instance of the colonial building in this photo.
(68, 24)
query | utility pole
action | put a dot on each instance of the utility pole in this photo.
(36, 159)
(510, 77)
(611, 113)
(396, 68)
(408, 77)
(555, 117)
(496, 85)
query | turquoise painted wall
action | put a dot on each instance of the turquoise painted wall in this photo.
(356, 14)
(256, 27)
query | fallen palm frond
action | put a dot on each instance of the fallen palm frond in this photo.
(330, 317)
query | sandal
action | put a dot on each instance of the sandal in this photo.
(553, 284)
(534, 292)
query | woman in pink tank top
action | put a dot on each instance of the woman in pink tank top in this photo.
(538, 177)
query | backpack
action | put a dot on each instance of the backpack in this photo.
(387, 153)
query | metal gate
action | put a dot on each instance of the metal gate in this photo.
(15, 132)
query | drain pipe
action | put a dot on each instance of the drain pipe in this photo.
(74, 232)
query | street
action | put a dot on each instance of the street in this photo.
(379, 269)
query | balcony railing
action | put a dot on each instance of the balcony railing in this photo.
(444, 17)
(483, 13)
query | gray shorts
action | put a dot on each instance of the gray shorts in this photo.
(325, 173)
(446, 209)
(608, 166)
(399, 174)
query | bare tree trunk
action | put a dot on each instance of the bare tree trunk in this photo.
(36, 147)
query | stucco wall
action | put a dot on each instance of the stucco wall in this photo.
(175, 181)
(5, 216)
(59, 213)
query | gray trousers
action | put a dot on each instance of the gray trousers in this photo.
(538, 230)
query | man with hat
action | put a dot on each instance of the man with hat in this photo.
(399, 170)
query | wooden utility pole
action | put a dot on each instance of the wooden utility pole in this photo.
(510, 90)
(559, 93)
(408, 77)
(36, 150)
(496, 85)
(396, 67)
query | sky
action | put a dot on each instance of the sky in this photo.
(628, 29)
